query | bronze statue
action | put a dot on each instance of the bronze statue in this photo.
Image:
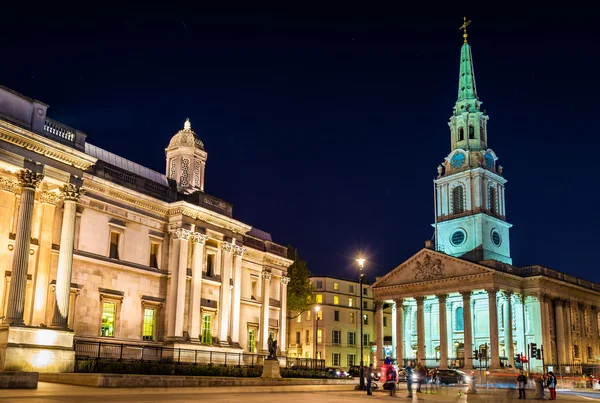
(272, 349)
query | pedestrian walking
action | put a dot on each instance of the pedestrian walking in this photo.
(409, 378)
(551, 383)
(369, 379)
(521, 382)
(391, 380)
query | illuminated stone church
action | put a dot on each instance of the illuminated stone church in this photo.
(94, 247)
(462, 293)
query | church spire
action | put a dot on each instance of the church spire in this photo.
(467, 90)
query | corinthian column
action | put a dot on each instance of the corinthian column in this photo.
(560, 331)
(238, 252)
(379, 333)
(225, 307)
(71, 195)
(264, 320)
(196, 289)
(176, 295)
(468, 333)
(420, 329)
(399, 331)
(283, 316)
(443, 332)
(18, 281)
(493, 314)
(508, 329)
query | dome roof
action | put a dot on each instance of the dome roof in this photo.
(186, 137)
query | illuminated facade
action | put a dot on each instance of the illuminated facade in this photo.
(336, 325)
(96, 247)
(461, 293)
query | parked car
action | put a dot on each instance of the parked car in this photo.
(448, 376)
(402, 375)
(337, 372)
(354, 370)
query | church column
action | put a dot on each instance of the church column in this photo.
(283, 316)
(468, 335)
(443, 331)
(225, 306)
(264, 319)
(178, 269)
(379, 333)
(508, 329)
(493, 314)
(569, 333)
(48, 202)
(420, 329)
(195, 322)
(71, 195)
(237, 293)
(560, 331)
(594, 319)
(545, 327)
(399, 331)
(18, 282)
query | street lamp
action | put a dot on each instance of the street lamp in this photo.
(317, 309)
(361, 264)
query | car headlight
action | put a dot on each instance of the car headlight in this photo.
(379, 374)
(337, 372)
(415, 378)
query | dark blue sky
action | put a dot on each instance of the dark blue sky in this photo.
(324, 125)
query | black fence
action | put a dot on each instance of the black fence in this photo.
(96, 350)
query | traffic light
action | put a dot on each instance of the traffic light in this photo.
(533, 351)
(475, 354)
(518, 359)
(538, 354)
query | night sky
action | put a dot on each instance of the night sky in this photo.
(324, 125)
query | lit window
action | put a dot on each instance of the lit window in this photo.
(114, 245)
(299, 318)
(308, 315)
(252, 340)
(149, 324)
(350, 301)
(307, 338)
(366, 319)
(336, 286)
(319, 298)
(320, 315)
(206, 329)
(336, 316)
(336, 300)
(109, 313)
(351, 317)
(319, 336)
(154, 254)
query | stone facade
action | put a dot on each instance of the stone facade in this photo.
(336, 324)
(100, 248)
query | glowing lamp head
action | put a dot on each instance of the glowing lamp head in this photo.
(361, 262)
(317, 308)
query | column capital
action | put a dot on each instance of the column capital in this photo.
(507, 294)
(284, 280)
(399, 302)
(420, 299)
(71, 192)
(47, 197)
(29, 179)
(491, 290)
(181, 233)
(199, 238)
(226, 247)
(594, 308)
(378, 304)
(266, 275)
(238, 250)
(466, 293)
(9, 185)
(442, 297)
(559, 301)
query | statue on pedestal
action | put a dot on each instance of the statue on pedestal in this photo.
(272, 349)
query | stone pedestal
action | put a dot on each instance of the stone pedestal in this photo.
(35, 349)
(271, 369)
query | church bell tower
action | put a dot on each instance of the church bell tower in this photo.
(470, 211)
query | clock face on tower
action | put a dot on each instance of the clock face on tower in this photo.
(489, 161)
(457, 160)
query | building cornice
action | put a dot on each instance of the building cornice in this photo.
(28, 140)
(199, 213)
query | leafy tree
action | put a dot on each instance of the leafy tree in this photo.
(300, 289)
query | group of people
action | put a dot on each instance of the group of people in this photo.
(549, 380)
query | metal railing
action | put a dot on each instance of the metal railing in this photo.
(98, 350)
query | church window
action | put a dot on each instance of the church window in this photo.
(471, 132)
(458, 237)
(460, 320)
(197, 175)
(458, 200)
(492, 202)
(185, 168)
(172, 169)
(461, 134)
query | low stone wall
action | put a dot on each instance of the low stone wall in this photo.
(169, 381)
(18, 380)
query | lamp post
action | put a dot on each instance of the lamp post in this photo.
(361, 264)
(317, 309)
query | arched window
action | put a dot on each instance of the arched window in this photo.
(461, 134)
(458, 200)
(460, 319)
(492, 200)
(482, 131)
(471, 132)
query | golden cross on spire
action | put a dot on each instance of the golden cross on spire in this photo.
(464, 28)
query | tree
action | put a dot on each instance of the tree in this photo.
(300, 289)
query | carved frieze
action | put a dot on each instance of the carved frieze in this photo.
(428, 269)
(8, 185)
(47, 197)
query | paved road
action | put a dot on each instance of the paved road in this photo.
(54, 393)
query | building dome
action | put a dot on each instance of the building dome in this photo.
(186, 138)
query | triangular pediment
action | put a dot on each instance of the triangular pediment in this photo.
(429, 265)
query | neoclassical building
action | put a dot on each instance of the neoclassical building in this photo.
(461, 292)
(97, 247)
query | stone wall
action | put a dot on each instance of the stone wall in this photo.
(18, 380)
